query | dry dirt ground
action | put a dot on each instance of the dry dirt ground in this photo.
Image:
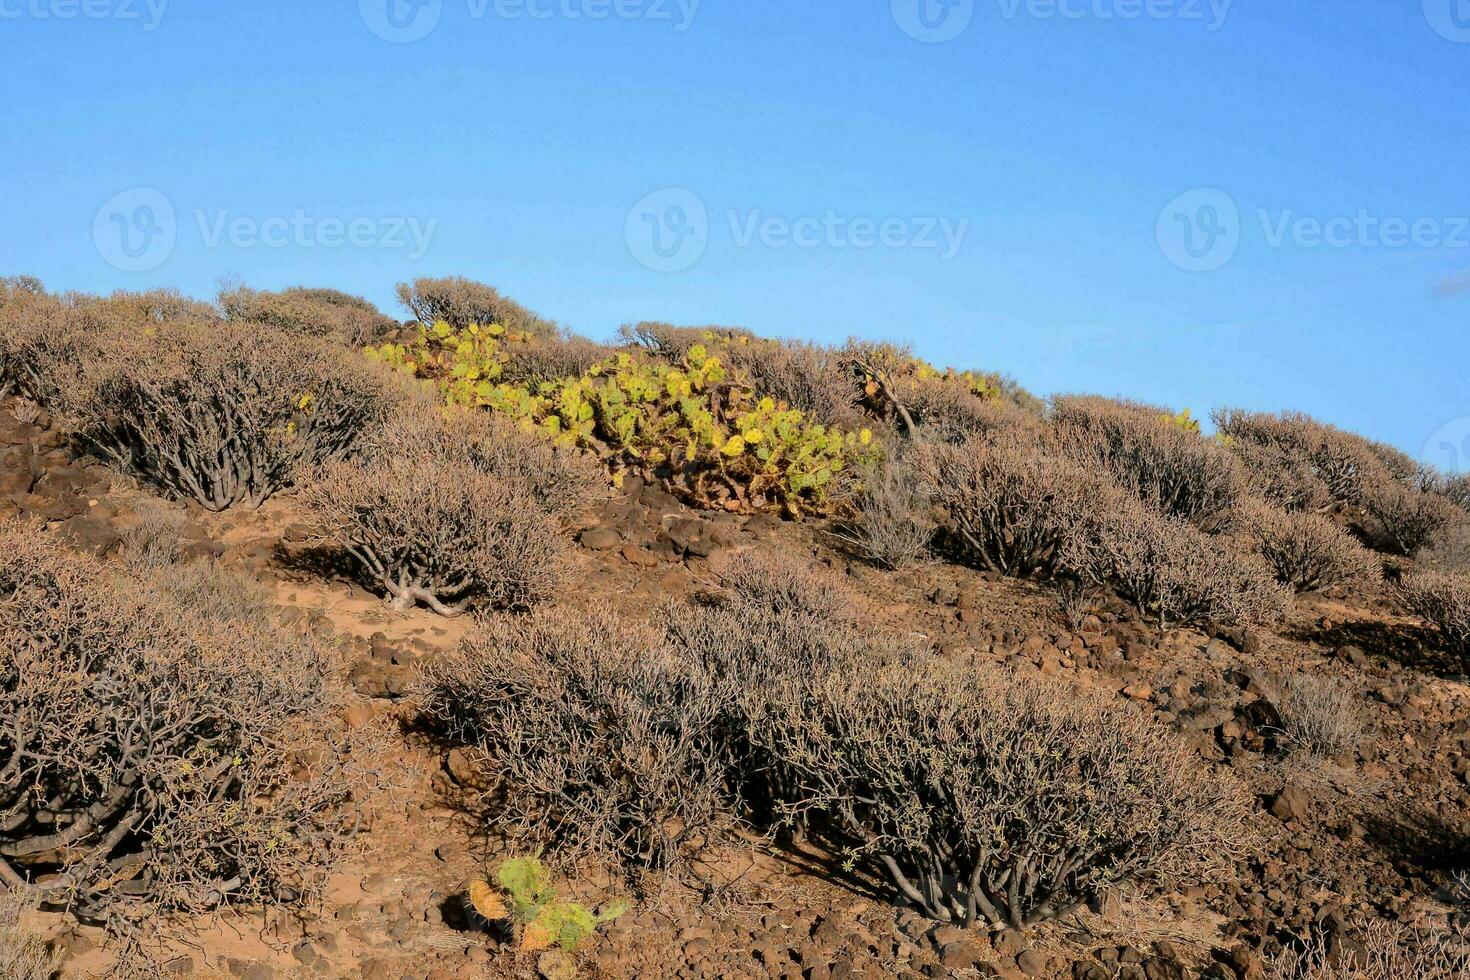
(1379, 831)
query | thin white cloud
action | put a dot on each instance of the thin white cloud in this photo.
(1454, 285)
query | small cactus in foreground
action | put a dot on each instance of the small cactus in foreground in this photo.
(540, 918)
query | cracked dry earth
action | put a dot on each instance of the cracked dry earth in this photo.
(1378, 832)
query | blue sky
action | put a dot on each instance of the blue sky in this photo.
(1232, 203)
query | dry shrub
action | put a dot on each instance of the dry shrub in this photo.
(953, 783)
(543, 359)
(983, 798)
(812, 379)
(673, 343)
(1448, 551)
(776, 615)
(156, 538)
(1456, 488)
(434, 515)
(156, 760)
(1169, 569)
(1170, 467)
(1341, 464)
(1406, 517)
(41, 339)
(992, 799)
(1307, 551)
(1398, 464)
(325, 314)
(19, 287)
(775, 619)
(561, 481)
(461, 302)
(892, 523)
(1384, 951)
(946, 410)
(214, 591)
(1280, 478)
(1321, 714)
(45, 339)
(152, 305)
(1075, 601)
(1302, 464)
(1443, 598)
(596, 741)
(221, 413)
(439, 533)
(154, 547)
(1012, 506)
(775, 582)
(23, 954)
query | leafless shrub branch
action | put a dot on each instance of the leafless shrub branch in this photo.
(1384, 951)
(325, 314)
(595, 739)
(219, 412)
(1443, 598)
(892, 524)
(1169, 569)
(1407, 517)
(153, 759)
(1321, 714)
(461, 302)
(1307, 551)
(23, 954)
(437, 516)
(1011, 505)
(1169, 467)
